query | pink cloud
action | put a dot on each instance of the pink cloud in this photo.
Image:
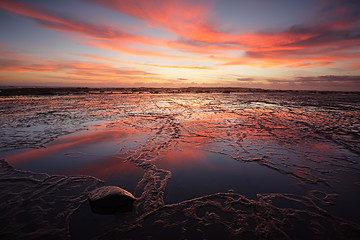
(329, 38)
(189, 19)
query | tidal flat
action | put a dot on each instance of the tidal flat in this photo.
(202, 165)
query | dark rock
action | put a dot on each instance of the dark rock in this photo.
(110, 200)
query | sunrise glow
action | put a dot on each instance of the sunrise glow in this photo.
(295, 45)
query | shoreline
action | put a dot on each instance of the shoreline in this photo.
(56, 91)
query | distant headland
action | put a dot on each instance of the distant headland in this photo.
(45, 91)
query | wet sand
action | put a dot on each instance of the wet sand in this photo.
(252, 165)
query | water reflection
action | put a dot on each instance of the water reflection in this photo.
(196, 172)
(253, 149)
(77, 151)
(184, 158)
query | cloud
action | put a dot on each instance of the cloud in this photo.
(186, 18)
(246, 79)
(321, 82)
(20, 66)
(331, 37)
(329, 79)
(322, 41)
(73, 68)
(99, 36)
(106, 59)
(64, 23)
(300, 47)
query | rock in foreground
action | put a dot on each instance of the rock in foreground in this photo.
(110, 199)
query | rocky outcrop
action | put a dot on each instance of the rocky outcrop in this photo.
(111, 199)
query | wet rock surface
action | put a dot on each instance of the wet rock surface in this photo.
(38, 205)
(308, 141)
(110, 199)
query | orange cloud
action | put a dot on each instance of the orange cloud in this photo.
(318, 43)
(297, 46)
(354, 66)
(149, 65)
(185, 18)
(71, 67)
(130, 50)
(74, 70)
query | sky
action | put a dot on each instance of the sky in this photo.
(278, 44)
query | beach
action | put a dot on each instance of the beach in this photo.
(202, 164)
